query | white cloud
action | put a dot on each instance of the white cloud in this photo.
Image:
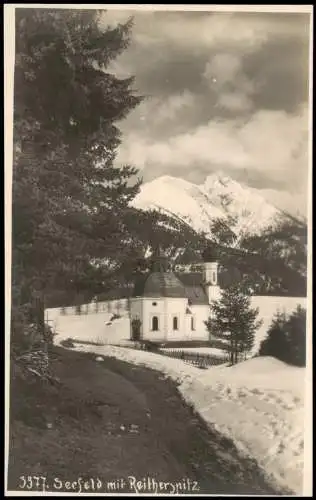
(234, 101)
(223, 67)
(209, 31)
(272, 143)
(294, 202)
(167, 109)
(158, 112)
(226, 79)
(244, 30)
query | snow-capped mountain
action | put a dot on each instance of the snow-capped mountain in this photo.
(198, 205)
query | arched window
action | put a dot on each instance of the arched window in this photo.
(192, 323)
(155, 324)
(175, 323)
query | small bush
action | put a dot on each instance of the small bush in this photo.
(150, 346)
(115, 316)
(67, 343)
(48, 334)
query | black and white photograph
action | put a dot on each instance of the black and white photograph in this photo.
(158, 191)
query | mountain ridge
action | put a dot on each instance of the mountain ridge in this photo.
(219, 197)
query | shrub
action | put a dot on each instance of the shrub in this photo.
(115, 316)
(276, 342)
(22, 330)
(296, 331)
(48, 334)
(150, 346)
(67, 343)
(286, 338)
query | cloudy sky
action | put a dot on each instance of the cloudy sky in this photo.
(224, 92)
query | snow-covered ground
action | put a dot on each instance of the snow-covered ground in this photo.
(259, 404)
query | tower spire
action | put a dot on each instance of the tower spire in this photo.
(159, 262)
(210, 274)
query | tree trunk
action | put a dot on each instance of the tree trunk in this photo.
(231, 353)
(39, 312)
(234, 351)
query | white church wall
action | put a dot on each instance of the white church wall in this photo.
(268, 307)
(187, 327)
(175, 308)
(166, 309)
(153, 307)
(200, 314)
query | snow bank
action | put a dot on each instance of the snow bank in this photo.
(259, 404)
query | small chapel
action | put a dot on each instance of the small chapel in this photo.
(166, 307)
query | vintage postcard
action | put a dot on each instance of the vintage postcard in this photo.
(158, 173)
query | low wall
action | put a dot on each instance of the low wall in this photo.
(268, 307)
(111, 306)
(119, 307)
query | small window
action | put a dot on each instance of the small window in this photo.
(155, 324)
(154, 303)
(175, 323)
(192, 323)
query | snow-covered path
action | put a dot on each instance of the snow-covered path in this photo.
(258, 404)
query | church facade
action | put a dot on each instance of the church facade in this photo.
(167, 307)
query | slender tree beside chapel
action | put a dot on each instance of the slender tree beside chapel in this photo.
(234, 322)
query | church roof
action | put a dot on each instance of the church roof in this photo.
(190, 279)
(193, 287)
(196, 295)
(168, 284)
(159, 284)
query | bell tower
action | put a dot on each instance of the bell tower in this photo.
(210, 274)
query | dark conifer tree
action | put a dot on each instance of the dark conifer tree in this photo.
(234, 322)
(69, 198)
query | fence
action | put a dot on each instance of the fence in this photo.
(196, 359)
